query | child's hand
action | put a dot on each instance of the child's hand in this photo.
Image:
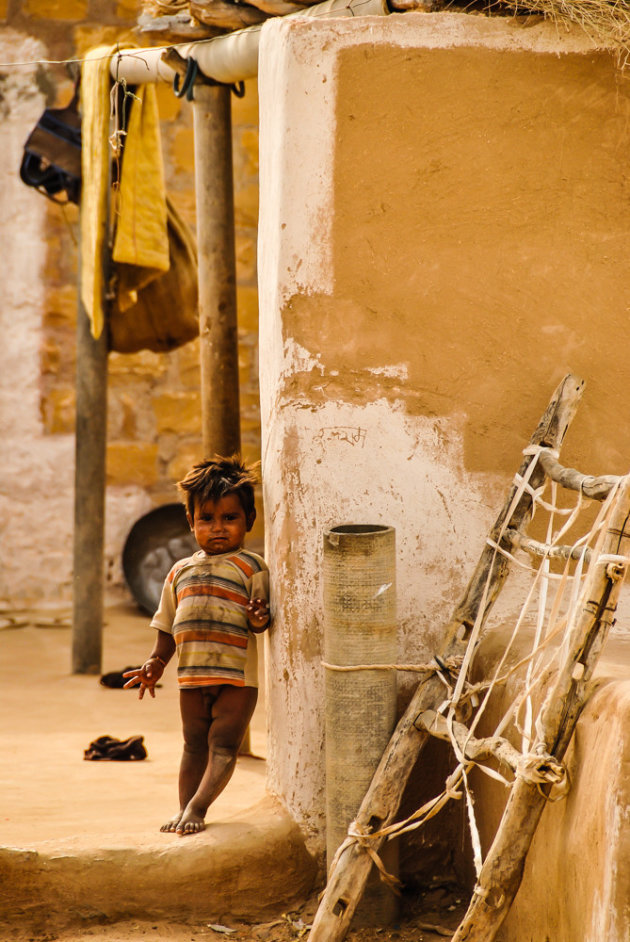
(147, 676)
(258, 614)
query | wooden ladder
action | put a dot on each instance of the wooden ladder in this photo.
(502, 870)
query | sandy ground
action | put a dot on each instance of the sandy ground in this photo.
(56, 804)
(425, 919)
(51, 797)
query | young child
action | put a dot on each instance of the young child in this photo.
(210, 605)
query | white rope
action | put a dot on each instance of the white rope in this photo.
(547, 628)
(535, 765)
(523, 484)
(419, 668)
(614, 559)
(536, 450)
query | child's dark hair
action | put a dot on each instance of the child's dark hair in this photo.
(213, 479)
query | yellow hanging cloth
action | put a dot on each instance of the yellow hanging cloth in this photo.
(141, 249)
(95, 107)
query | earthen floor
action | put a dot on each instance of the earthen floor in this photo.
(80, 840)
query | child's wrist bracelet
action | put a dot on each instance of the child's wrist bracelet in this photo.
(156, 657)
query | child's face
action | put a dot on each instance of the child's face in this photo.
(220, 526)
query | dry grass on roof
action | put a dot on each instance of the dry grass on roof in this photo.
(606, 22)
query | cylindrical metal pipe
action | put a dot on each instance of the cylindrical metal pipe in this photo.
(220, 409)
(89, 497)
(360, 709)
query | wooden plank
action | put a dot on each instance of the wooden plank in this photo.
(351, 868)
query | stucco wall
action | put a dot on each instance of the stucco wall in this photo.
(443, 235)
(576, 881)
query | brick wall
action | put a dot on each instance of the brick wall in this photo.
(154, 427)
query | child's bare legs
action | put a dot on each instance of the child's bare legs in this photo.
(214, 722)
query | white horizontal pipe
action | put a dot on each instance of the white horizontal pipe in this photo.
(230, 58)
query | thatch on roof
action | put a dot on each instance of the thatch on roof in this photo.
(607, 22)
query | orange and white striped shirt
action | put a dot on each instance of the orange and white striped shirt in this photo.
(203, 605)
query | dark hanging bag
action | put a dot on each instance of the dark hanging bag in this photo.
(52, 153)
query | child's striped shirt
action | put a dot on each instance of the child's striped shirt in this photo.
(203, 605)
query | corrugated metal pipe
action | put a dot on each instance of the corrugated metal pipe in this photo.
(232, 57)
(359, 629)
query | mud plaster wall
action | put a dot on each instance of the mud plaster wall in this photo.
(576, 881)
(443, 235)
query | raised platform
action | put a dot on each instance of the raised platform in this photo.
(80, 840)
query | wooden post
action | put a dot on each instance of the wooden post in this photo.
(218, 327)
(89, 496)
(220, 410)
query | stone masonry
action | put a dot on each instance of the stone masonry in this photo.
(154, 423)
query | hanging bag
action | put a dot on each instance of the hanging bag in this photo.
(52, 153)
(165, 315)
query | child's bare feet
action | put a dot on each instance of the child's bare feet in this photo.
(172, 824)
(190, 823)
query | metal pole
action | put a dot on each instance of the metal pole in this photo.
(220, 409)
(89, 496)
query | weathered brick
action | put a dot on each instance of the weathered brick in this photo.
(245, 110)
(58, 411)
(250, 453)
(250, 424)
(243, 377)
(154, 408)
(169, 105)
(250, 402)
(183, 150)
(186, 457)
(255, 539)
(122, 414)
(185, 201)
(246, 205)
(248, 152)
(56, 9)
(128, 9)
(245, 247)
(187, 356)
(247, 307)
(189, 371)
(178, 412)
(143, 363)
(132, 463)
(61, 306)
(86, 37)
(50, 357)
